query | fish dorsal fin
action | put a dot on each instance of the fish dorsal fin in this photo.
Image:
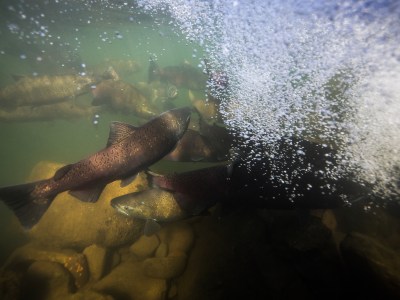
(119, 131)
(61, 172)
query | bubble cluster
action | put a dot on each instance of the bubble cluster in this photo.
(321, 71)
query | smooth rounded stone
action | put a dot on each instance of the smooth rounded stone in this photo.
(178, 236)
(129, 280)
(377, 265)
(96, 257)
(115, 260)
(47, 281)
(74, 262)
(173, 291)
(71, 223)
(162, 250)
(145, 246)
(89, 295)
(165, 267)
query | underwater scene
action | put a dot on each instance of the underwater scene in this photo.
(202, 150)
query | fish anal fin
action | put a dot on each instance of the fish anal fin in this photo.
(61, 172)
(118, 132)
(89, 194)
(151, 227)
(127, 181)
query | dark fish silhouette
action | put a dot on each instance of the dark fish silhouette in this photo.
(193, 147)
(129, 150)
(183, 75)
(123, 97)
(196, 190)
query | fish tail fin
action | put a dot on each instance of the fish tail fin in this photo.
(26, 208)
(153, 70)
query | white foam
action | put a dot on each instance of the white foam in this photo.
(280, 55)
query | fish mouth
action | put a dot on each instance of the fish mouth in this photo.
(120, 208)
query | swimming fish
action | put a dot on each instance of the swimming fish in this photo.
(123, 97)
(48, 112)
(153, 205)
(193, 147)
(129, 150)
(40, 90)
(184, 75)
(196, 190)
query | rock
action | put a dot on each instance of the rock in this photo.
(232, 259)
(70, 223)
(96, 257)
(89, 295)
(162, 250)
(178, 236)
(127, 279)
(375, 265)
(74, 262)
(115, 260)
(47, 281)
(145, 246)
(165, 267)
(173, 291)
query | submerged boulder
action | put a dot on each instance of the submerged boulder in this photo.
(129, 281)
(373, 263)
(72, 223)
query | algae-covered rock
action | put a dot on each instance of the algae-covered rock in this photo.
(178, 236)
(162, 250)
(377, 265)
(47, 281)
(72, 261)
(165, 267)
(70, 222)
(89, 295)
(96, 257)
(128, 279)
(145, 246)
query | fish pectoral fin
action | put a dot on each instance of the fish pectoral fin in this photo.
(119, 131)
(90, 194)
(61, 172)
(127, 181)
(151, 227)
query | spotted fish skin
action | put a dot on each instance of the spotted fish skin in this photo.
(129, 150)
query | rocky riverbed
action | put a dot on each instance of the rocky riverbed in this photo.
(89, 251)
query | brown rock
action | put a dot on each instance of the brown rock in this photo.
(165, 267)
(178, 236)
(96, 257)
(128, 279)
(162, 250)
(377, 265)
(70, 223)
(88, 295)
(145, 246)
(47, 281)
(74, 262)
